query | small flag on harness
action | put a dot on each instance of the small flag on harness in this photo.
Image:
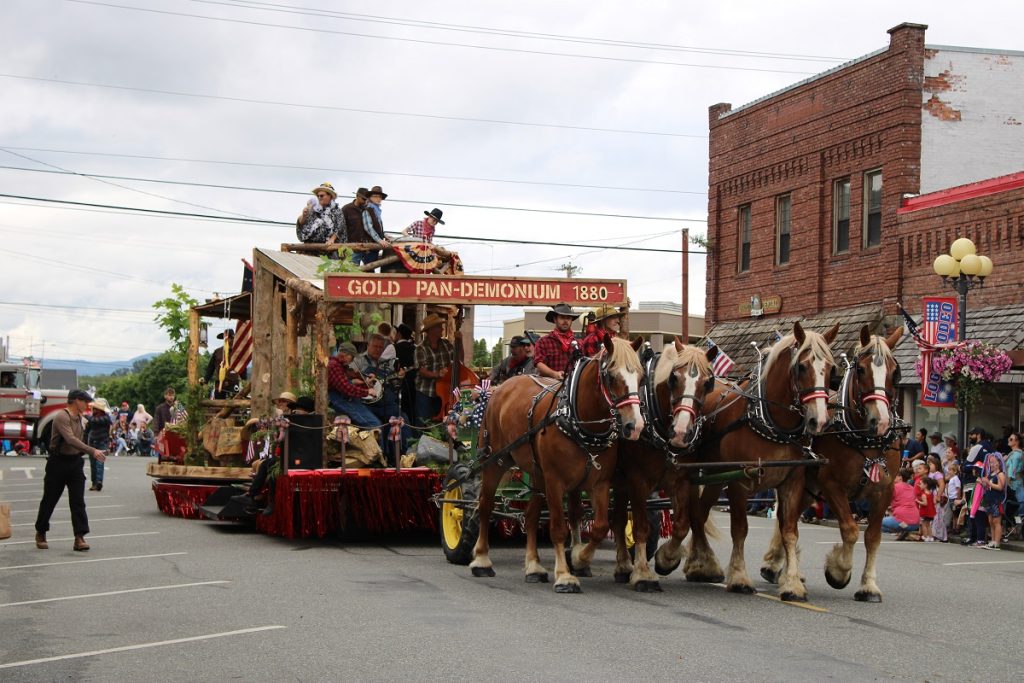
(875, 473)
(722, 363)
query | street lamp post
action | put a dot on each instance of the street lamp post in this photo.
(962, 269)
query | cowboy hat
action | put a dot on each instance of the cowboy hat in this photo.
(285, 396)
(436, 214)
(305, 403)
(606, 311)
(363, 192)
(100, 403)
(229, 332)
(376, 189)
(561, 309)
(432, 320)
(325, 187)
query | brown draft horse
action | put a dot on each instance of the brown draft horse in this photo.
(763, 421)
(680, 382)
(602, 391)
(861, 465)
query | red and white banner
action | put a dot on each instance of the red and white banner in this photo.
(939, 326)
(468, 289)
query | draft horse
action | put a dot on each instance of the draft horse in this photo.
(861, 463)
(564, 434)
(673, 392)
(760, 422)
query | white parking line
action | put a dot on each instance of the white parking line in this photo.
(68, 521)
(99, 559)
(90, 507)
(36, 500)
(38, 483)
(958, 564)
(109, 593)
(140, 646)
(91, 536)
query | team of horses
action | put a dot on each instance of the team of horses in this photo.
(672, 426)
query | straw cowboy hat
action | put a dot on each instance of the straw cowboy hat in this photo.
(432, 320)
(325, 187)
(561, 309)
(606, 311)
(376, 189)
(100, 403)
(286, 396)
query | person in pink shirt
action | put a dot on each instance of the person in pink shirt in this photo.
(905, 516)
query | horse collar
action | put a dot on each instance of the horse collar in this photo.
(655, 431)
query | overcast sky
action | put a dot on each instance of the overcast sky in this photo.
(270, 87)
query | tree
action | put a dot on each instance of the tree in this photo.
(172, 315)
(498, 352)
(481, 356)
(148, 384)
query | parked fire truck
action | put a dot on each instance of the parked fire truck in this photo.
(26, 411)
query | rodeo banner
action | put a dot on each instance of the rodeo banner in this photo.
(939, 325)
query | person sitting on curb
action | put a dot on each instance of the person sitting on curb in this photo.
(905, 516)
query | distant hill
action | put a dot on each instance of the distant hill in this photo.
(92, 368)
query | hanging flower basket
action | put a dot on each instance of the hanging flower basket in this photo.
(968, 366)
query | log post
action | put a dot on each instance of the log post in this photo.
(193, 347)
(262, 326)
(291, 338)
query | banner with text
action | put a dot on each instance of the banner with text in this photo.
(468, 289)
(939, 327)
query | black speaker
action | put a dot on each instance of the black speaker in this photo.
(304, 447)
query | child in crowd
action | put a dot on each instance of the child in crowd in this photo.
(935, 473)
(926, 506)
(994, 486)
(954, 496)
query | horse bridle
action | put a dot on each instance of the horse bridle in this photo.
(861, 438)
(654, 429)
(630, 398)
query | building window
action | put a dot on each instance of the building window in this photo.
(872, 208)
(841, 216)
(743, 260)
(783, 204)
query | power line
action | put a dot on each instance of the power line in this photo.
(321, 169)
(421, 41)
(263, 221)
(331, 107)
(461, 28)
(76, 308)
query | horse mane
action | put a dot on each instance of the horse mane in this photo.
(624, 356)
(813, 341)
(672, 359)
(876, 345)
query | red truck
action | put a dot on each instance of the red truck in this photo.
(26, 411)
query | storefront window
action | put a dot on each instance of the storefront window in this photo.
(998, 407)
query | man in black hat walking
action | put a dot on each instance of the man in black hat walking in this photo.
(556, 350)
(64, 469)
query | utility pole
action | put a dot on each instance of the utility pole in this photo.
(685, 308)
(569, 269)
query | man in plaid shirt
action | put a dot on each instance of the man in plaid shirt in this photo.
(424, 228)
(345, 395)
(555, 350)
(434, 358)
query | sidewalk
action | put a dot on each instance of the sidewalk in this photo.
(1012, 546)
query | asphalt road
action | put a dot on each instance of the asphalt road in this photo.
(167, 599)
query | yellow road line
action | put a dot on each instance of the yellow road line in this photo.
(804, 605)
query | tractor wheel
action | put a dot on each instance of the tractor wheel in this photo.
(459, 523)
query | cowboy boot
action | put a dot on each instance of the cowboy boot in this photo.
(80, 544)
(41, 541)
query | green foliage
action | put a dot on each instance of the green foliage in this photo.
(342, 264)
(192, 400)
(497, 352)
(147, 385)
(172, 315)
(701, 241)
(481, 356)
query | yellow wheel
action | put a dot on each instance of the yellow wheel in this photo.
(459, 521)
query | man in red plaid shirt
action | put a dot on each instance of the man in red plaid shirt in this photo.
(607, 320)
(346, 395)
(555, 350)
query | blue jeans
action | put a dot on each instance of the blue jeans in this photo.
(95, 471)
(357, 411)
(385, 409)
(361, 258)
(426, 408)
(890, 525)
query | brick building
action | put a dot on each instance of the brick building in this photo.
(811, 195)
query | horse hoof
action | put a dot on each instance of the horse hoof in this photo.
(537, 577)
(665, 571)
(790, 596)
(583, 572)
(482, 571)
(701, 578)
(867, 596)
(647, 587)
(838, 584)
(741, 588)
(769, 575)
(568, 588)
(621, 577)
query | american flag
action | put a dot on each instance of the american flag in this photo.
(722, 363)
(241, 346)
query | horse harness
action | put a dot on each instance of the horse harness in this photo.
(759, 417)
(656, 432)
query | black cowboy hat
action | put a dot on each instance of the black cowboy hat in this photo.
(229, 332)
(435, 213)
(561, 309)
(363, 192)
(303, 403)
(376, 189)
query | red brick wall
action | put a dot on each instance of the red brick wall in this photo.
(996, 225)
(863, 117)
